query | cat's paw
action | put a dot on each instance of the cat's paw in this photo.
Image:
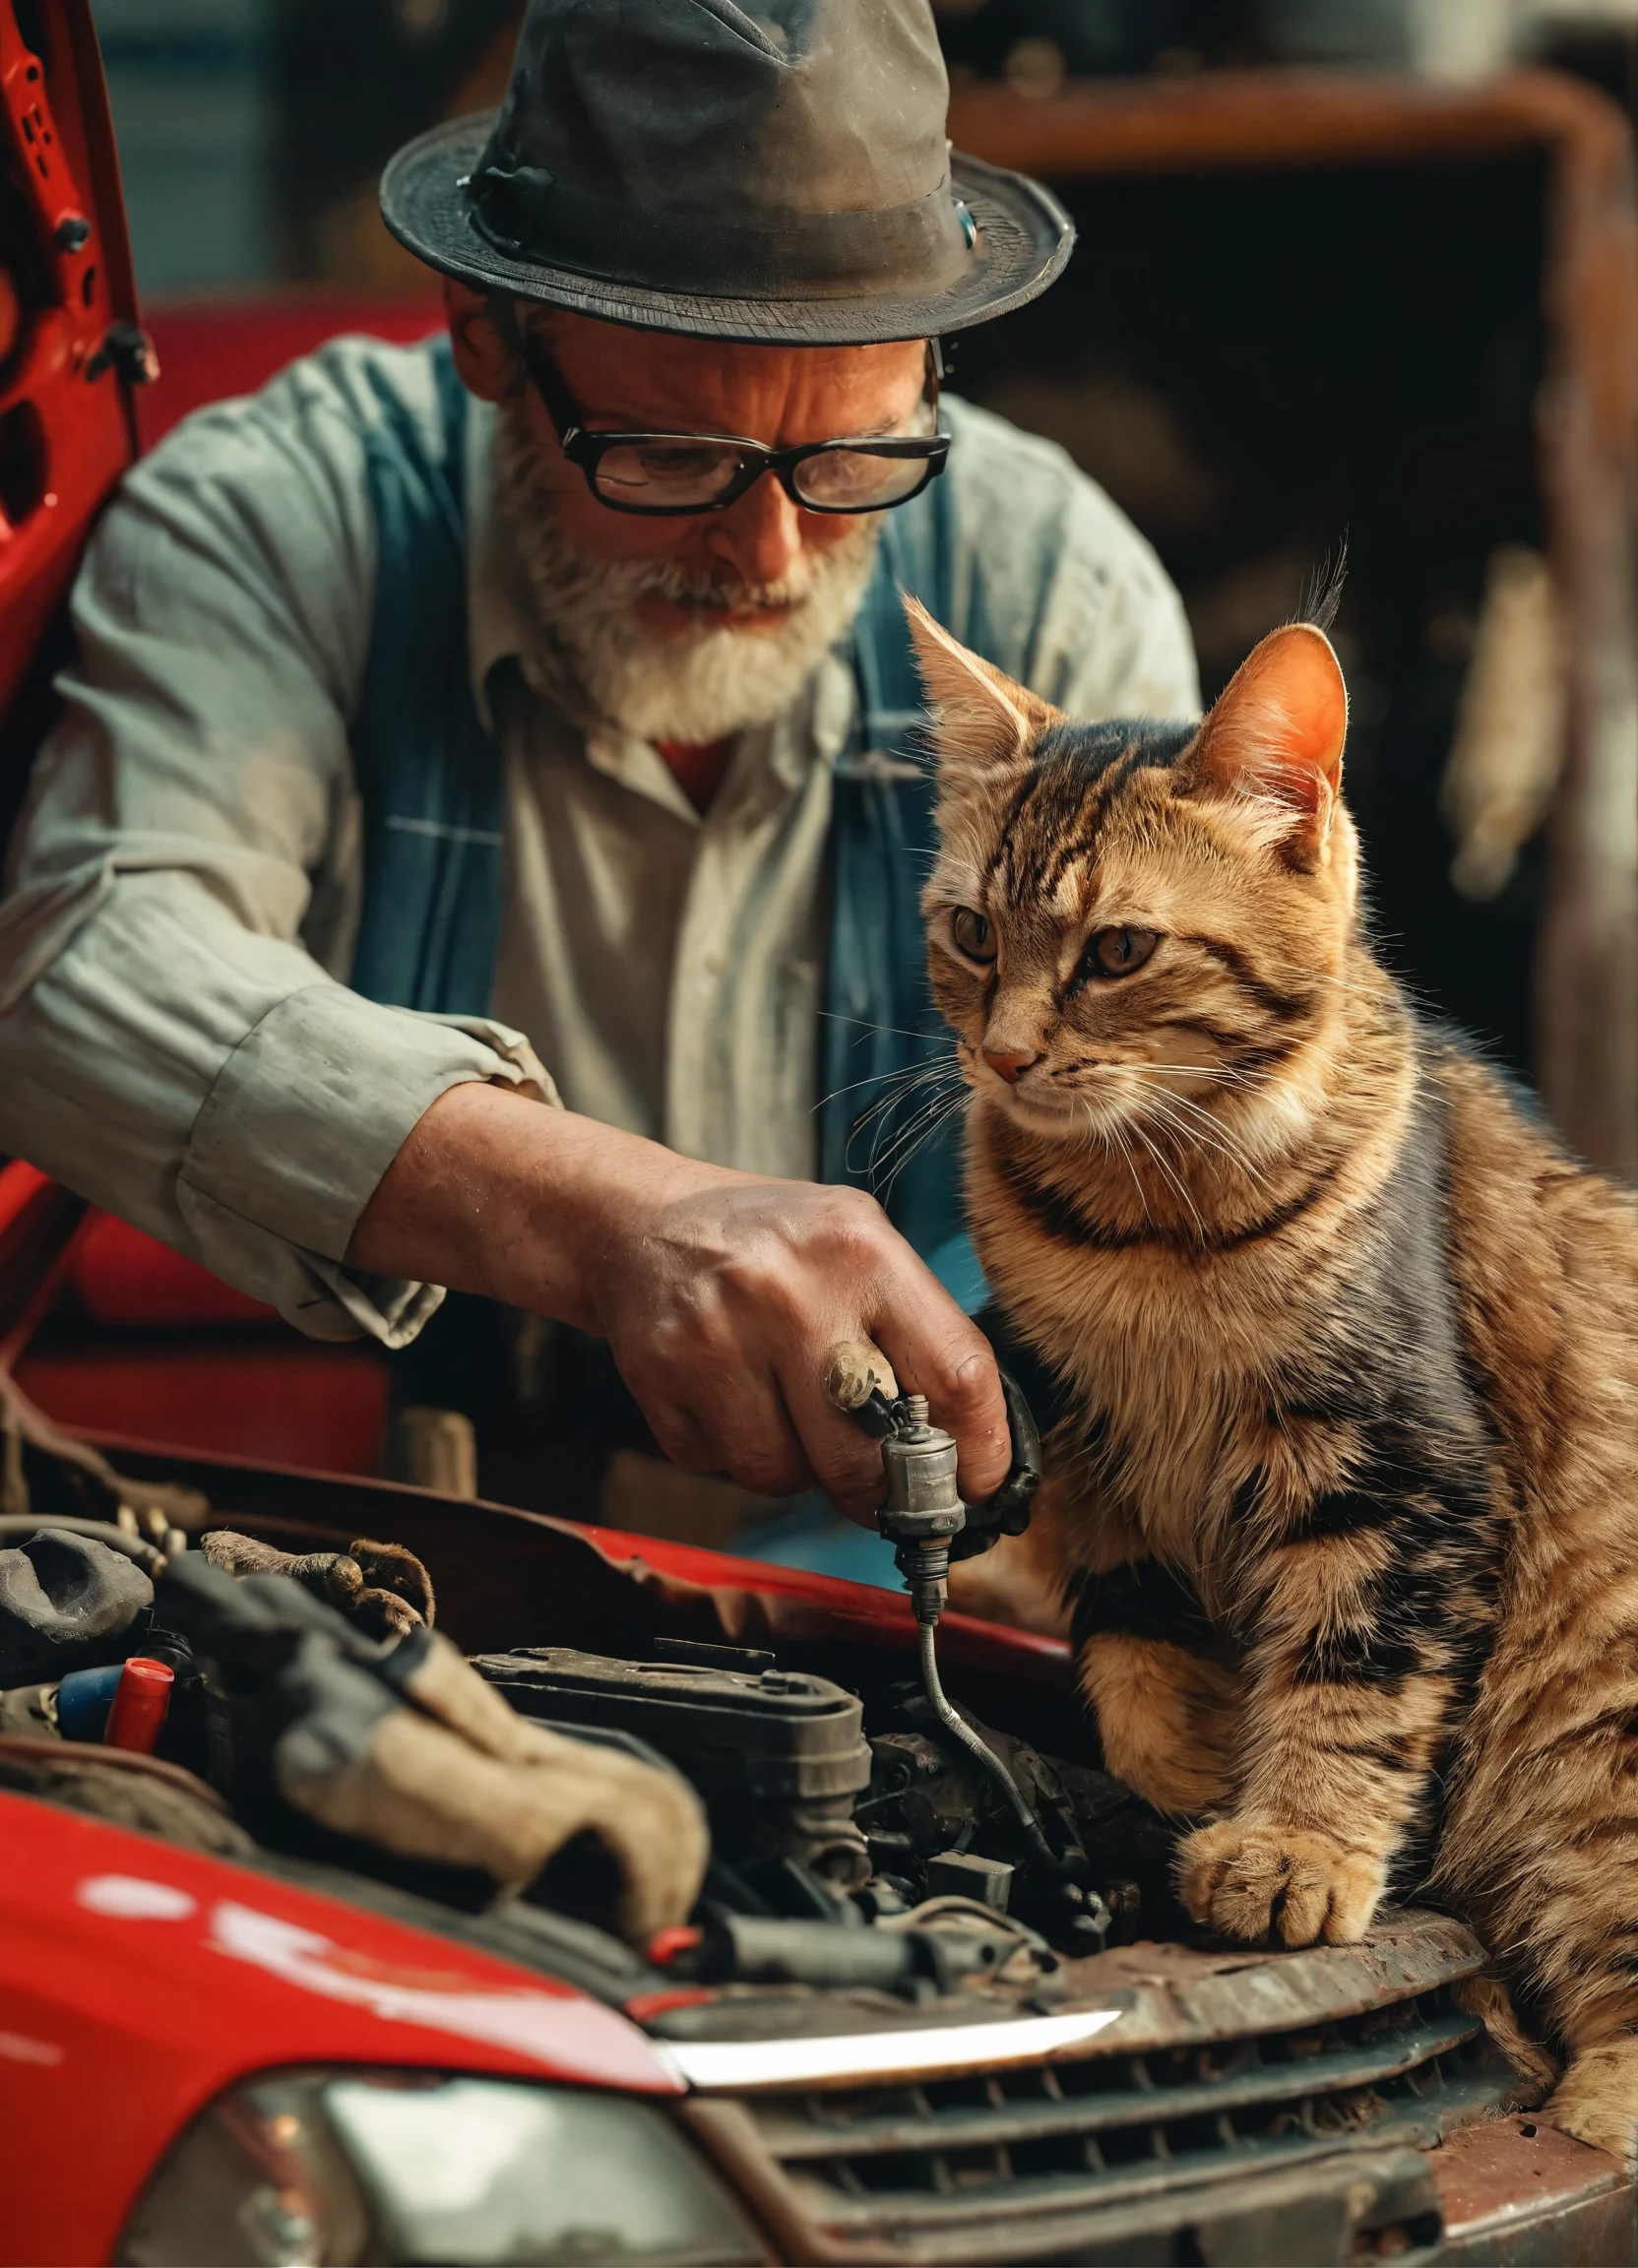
(1256, 1879)
(1597, 2100)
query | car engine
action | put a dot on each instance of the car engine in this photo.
(828, 1808)
(901, 2018)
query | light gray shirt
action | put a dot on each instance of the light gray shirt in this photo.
(177, 1041)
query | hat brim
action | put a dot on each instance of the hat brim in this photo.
(1025, 239)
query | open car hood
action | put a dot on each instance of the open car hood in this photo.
(70, 350)
(71, 356)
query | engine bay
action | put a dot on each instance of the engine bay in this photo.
(841, 1819)
(852, 1843)
(855, 1839)
(893, 2009)
(853, 1846)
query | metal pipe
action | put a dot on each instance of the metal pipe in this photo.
(957, 1725)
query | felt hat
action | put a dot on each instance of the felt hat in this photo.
(692, 166)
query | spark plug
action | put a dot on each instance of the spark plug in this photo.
(923, 1511)
(921, 1516)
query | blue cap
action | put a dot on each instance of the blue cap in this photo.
(84, 1699)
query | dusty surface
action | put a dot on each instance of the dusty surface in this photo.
(1509, 2170)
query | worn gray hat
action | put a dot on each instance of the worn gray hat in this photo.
(688, 165)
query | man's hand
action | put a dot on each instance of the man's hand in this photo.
(720, 1293)
(722, 1301)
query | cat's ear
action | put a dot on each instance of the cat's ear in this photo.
(983, 723)
(1274, 737)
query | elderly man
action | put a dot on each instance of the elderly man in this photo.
(529, 716)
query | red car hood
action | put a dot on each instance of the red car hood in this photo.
(138, 1980)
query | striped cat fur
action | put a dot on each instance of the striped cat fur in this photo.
(1347, 1501)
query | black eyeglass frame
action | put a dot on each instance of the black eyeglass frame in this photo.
(588, 449)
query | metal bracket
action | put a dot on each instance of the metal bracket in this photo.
(127, 348)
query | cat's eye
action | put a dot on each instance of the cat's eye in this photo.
(1117, 952)
(974, 935)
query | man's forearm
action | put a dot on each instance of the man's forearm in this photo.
(491, 1193)
(720, 1293)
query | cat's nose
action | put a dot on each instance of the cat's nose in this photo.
(1010, 1061)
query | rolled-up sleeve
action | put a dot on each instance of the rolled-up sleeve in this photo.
(175, 1039)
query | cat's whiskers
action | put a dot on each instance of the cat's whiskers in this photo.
(1219, 1074)
(1164, 1108)
(898, 1031)
(1213, 1074)
(1193, 1120)
(943, 1079)
(888, 1159)
(1153, 1148)
(907, 1075)
(938, 1079)
(1211, 1127)
(934, 1117)
(1208, 1128)
(902, 1082)
(1112, 1133)
(899, 1085)
(1187, 1121)
(1203, 1128)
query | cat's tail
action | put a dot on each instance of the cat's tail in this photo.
(1597, 2100)
(1540, 1851)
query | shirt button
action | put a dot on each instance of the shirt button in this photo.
(714, 963)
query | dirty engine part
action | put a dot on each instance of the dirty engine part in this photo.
(777, 1756)
(923, 1516)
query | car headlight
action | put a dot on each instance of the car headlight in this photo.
(308, 2169)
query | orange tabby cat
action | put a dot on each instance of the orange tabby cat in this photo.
(1348, 1499)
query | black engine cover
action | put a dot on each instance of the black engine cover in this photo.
(778, 1756)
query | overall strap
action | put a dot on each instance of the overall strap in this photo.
(881, 1026)
(428, 771)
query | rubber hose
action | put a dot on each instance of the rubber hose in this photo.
(953, 1722)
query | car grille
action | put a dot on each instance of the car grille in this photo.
(1038, 2164)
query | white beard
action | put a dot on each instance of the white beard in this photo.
(593, 655)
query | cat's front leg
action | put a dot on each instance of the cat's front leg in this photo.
(1371, 1618)
(1165, 1697)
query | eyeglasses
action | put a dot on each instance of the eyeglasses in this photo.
(668, 475)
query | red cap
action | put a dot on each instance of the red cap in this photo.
(137, 1715)
(665, 1944)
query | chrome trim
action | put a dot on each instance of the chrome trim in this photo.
(737, 2065)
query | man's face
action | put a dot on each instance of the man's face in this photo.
(639, 381)
(743, 600)
(645, 381)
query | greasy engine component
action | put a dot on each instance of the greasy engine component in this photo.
(859, 1384)
(126, 1788)
(396, 1760)
(79, 1629)
(934, 1821)
(778, 1757)
(924, 1955)
(66, 1601)
(923, 1516)
(81, 1544)
(383, 1587)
